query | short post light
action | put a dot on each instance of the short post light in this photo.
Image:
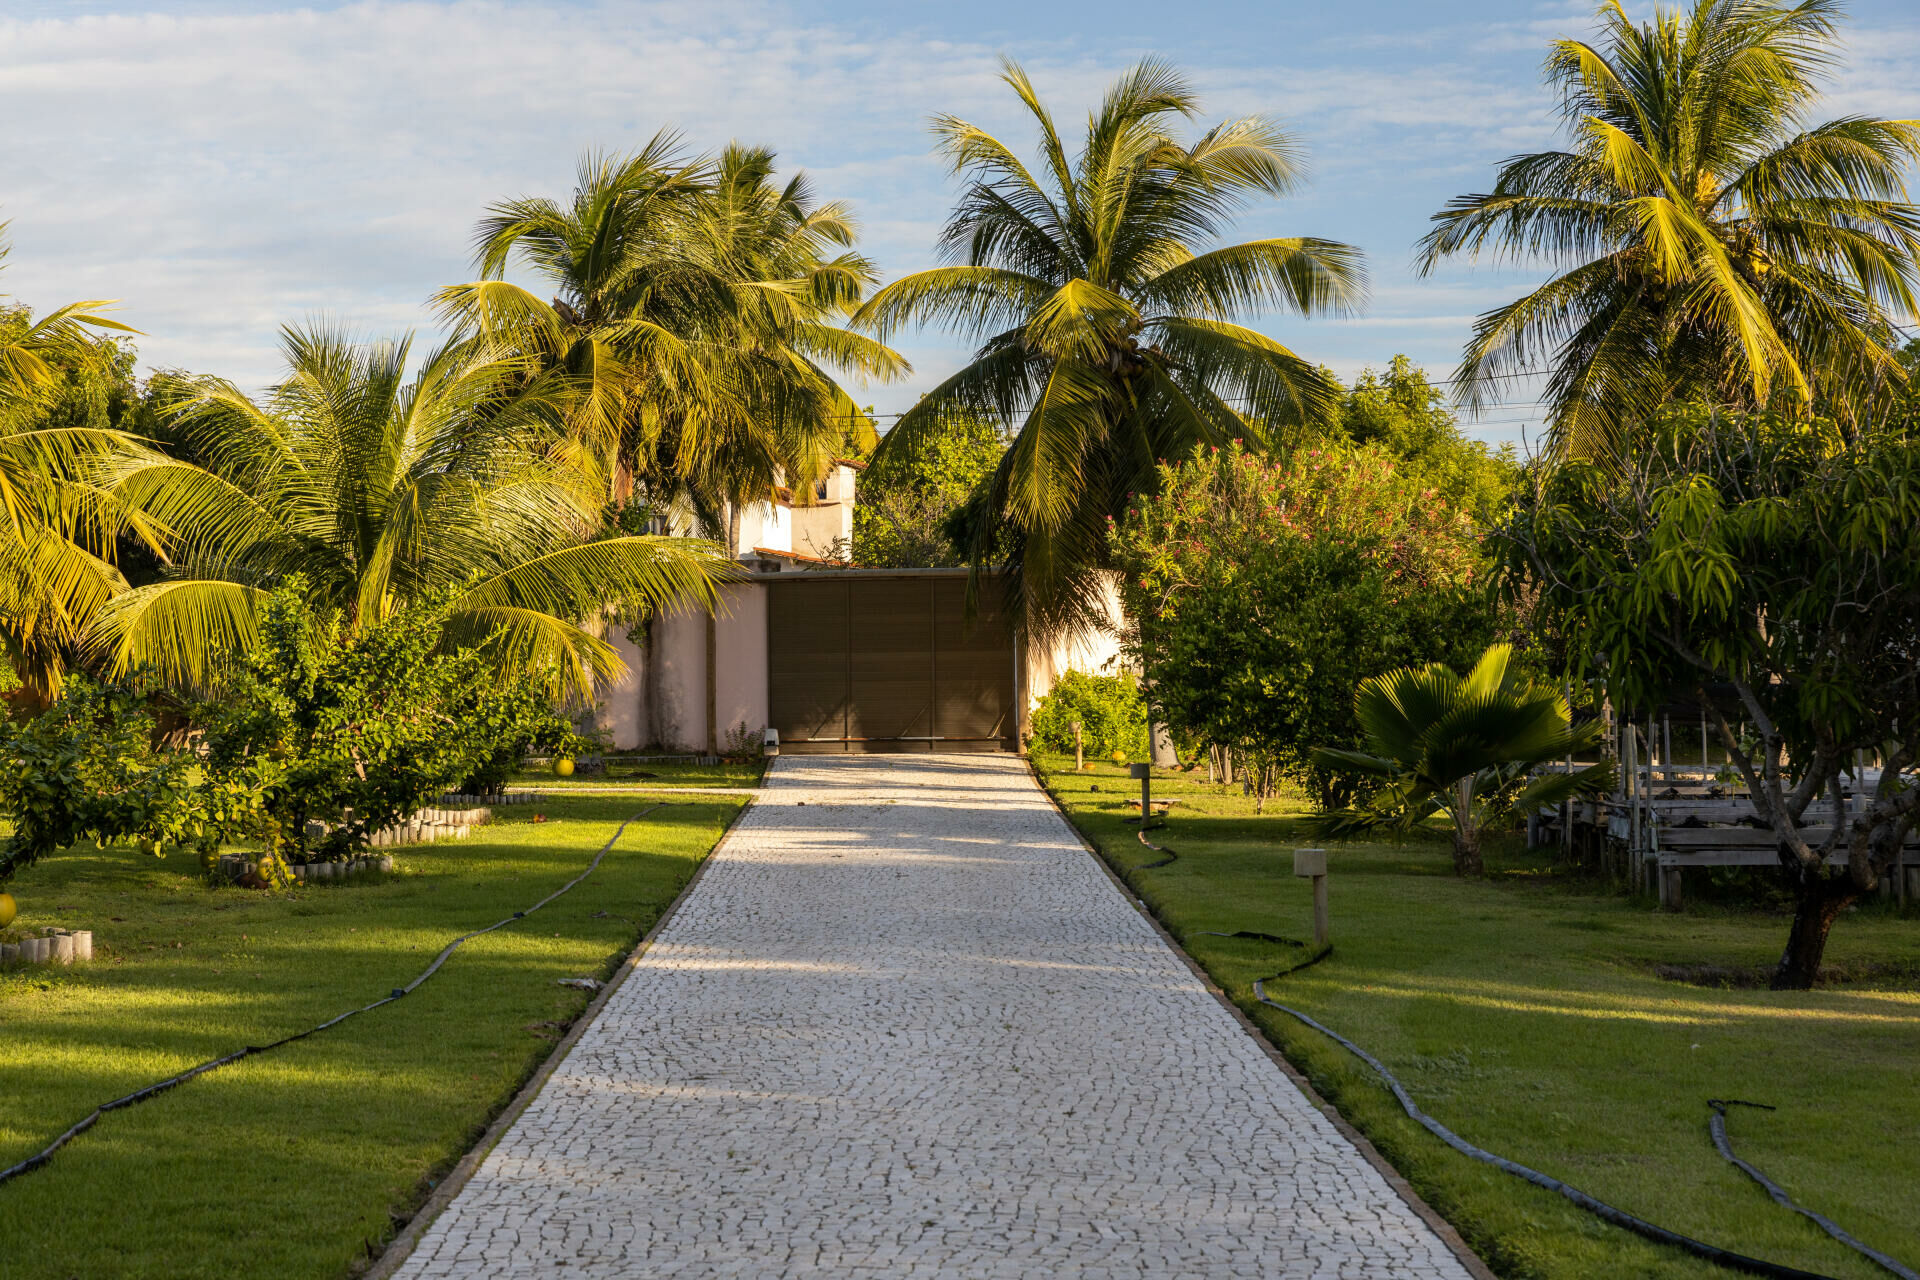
(1144, 772)
(1079, 754)
(1312, 863)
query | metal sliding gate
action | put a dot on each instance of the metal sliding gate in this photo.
(870, 661)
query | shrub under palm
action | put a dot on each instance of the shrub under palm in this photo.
(1109, 327)
(1439, 742)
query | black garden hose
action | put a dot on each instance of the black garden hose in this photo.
(1717, 1126)
(1599, 1208)
(161, 1086)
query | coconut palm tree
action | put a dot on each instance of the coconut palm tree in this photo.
(56, 531)
(1463, 746)
(380, 489)
(1713, 244)
(32, 351)
(1110, 324)
(695, 300)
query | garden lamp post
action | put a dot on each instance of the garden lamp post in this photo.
(1312, 863)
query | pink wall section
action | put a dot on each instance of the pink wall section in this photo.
(674, 676)
(740, 653)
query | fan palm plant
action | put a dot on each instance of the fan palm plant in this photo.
(1714, 245)
(1111, 327)
(695, 301)
(382, 489)
(1467, 747)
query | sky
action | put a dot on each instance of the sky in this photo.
(223, 167)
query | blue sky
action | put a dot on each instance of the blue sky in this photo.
(225, 167)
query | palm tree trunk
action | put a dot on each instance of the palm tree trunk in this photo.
(1466, 834)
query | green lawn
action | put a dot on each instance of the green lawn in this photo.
(639, 774)
(296, 1164)
(1523, 1012)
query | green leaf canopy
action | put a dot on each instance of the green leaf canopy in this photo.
(383, 487)
(1112, 327)
(1709, 243)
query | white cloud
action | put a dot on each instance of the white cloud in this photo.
(224, 173)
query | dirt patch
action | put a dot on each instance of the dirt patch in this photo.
(1894, 975)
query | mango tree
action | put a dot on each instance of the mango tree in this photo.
(1768, 569)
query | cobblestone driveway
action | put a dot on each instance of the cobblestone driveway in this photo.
(904, 1026)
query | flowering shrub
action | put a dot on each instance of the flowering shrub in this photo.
(1263, 591)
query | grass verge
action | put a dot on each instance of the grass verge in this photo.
(303, 1162)
(1525, 1012)
(648, 773)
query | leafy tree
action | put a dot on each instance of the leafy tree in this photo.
(914, 500)
(1108, 321)
(1261, 590)
(1111, 713)
(352, 728)
(1768, 569)
(360, 727)
(384, 490)
(1465, 746)
(90, 767)
(1408, 416)
(1720, 248)
(695, 303)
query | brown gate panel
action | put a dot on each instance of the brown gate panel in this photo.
(887, 663)
(892, 661)
(973, 702)
(807, 686)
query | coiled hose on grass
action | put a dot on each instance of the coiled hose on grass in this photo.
(1599, 1208)
(140, 1095)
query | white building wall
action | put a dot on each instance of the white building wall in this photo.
(1096, 653)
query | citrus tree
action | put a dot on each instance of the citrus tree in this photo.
(1260, 588)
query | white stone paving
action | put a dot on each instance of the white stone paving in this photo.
(905, 1026)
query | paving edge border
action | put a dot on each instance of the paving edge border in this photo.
(402, 1246)
(1404, 1189)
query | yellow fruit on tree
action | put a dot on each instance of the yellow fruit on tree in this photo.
(1119, 757)
(8, 909)
(563, 767)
